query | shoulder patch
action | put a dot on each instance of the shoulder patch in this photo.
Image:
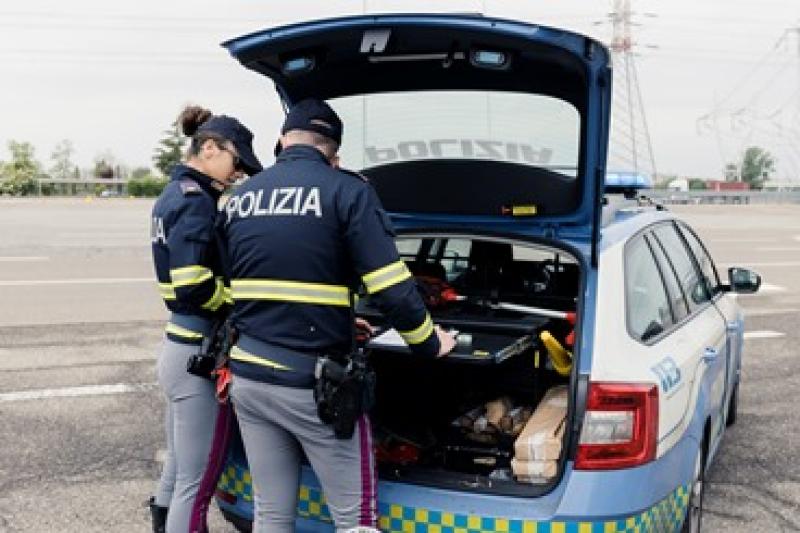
(189, 186)
(354, 174)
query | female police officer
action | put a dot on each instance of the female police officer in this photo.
(188, 270)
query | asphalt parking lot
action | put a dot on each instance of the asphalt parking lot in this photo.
(81, 321)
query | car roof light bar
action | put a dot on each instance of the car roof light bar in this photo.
(628, 180)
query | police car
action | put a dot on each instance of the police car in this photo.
(599, 350)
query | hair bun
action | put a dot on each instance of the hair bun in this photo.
(191, 118)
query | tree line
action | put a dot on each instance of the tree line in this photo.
(23, 174)
(755, 167)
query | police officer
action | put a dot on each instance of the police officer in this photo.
(300, 236)
(188, 269)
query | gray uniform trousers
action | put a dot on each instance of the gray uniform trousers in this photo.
(276, 422)
(190, 418)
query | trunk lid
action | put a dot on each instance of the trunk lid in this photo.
(458, 120)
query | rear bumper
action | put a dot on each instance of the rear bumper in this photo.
(651, 498)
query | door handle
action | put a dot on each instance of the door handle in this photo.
(709, 355)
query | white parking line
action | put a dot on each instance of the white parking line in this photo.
(737, 240)
(769, 287)
(747, 264)
(763, 334)
(766, 311)
(85, 281)
(74, 392)
(23, 259)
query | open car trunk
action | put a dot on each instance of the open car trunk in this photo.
(455, 422)
(437, 105)
(467, 125)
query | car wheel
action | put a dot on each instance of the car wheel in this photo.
(733, 406)
(694, 511)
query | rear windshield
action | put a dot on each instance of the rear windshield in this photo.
(456, 255)
(521, 128)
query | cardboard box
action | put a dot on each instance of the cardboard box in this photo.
(541, 438)
(534, 471)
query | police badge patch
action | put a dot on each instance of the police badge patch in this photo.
(189, 186)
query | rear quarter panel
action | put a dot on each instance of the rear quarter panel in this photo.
(617, 357)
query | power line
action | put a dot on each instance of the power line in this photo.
(100, 26)
(128, 17)
(738, 119)
(751, 72)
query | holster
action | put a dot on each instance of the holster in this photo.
(343, 393)
(213, 362)
(216, 353)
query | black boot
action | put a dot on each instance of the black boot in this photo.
(159, 515)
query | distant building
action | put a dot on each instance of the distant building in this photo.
(718, 185)
(679, 185)
(731, 172)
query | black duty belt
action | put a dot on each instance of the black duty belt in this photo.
(255, 359)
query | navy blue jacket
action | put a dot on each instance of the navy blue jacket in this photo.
(185, 255)
(300, 235)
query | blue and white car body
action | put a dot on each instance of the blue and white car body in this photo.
(658, 335)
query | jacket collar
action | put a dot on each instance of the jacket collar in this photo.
(182, 171)
(301, 151)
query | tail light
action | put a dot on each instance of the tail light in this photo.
(620, 427)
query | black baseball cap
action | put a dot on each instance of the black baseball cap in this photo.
(314, 115)
(241, 138)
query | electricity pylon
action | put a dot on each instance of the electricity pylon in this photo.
(630, 148)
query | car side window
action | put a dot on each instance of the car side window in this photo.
(455, 257)
(407, 247)
(647, 307)
(680, 309)
(703, 259)
(678, 254)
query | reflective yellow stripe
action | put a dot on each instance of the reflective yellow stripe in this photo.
(290, 291)
(183, 332)
(386, 276)
(189, 275)
(166, 291)
(226, 293)
(420, 334)
(218, 298)
(240, 355)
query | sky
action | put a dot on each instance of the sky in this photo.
(715, 76)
